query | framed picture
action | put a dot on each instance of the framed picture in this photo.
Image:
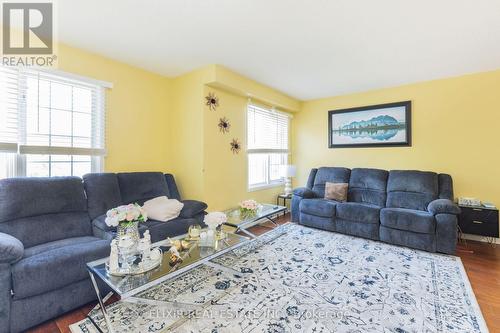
(383, 125)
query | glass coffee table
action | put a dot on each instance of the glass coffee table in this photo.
(264, 213)
(129, 286)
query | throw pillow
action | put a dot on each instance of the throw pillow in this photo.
(336, 191)
(163, 209)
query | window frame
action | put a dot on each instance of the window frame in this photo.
(269, 183)
(98, 109)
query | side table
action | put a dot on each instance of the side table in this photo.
(284, 197)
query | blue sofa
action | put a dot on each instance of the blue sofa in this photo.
(402, 207)
(50, 228)
(109, 190)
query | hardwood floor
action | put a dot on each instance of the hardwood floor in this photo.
(482, 266)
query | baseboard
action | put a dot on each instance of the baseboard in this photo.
(490, 240)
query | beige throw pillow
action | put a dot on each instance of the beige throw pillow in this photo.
(336, 191)
(163, 209)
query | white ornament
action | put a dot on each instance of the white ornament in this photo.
(113, 256)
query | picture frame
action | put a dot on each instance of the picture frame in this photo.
(382, 125)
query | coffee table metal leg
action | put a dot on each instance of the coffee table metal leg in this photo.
(246, 232)
(273, 221)
(101, 303)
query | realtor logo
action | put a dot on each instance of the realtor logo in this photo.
(28, 34)
(36, 25)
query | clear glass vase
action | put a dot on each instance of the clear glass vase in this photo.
(130, 229)
(128, 237)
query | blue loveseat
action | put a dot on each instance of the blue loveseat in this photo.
(51, 227)
(402, 207)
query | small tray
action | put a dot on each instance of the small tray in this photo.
(147, 266)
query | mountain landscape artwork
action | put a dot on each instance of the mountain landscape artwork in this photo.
(371, 126)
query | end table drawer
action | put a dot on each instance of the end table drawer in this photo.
(478, 221)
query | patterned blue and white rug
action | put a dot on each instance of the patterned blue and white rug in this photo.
(297, 279)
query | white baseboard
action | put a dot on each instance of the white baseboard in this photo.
(481, 238)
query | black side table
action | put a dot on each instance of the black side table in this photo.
(283, 197)
(479, 221)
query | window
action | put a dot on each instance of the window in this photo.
(267, 146)
(50, 124)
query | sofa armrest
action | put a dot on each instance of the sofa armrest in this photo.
(101, 229)
(192, 208)
(303, 192)
(443, 206)
(11, 249)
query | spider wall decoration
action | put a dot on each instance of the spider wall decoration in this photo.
(235, 146)
(212, 101)
(224, 125)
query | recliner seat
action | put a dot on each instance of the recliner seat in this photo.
(402, 207)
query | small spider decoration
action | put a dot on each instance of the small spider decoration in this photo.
(235, 146)
(212, 101)
(224, 125)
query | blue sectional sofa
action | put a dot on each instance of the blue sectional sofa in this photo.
(109, 190)
(51, 227)
(402, 207)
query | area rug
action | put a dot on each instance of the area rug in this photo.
(297, 279)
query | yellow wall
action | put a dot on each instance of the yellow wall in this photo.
(203, 164)
(225, 173)
(186, 136)
(137, 124)
(455, 125)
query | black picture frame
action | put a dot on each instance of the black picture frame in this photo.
(402, 143)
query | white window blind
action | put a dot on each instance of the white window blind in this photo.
(56, 124)
(8, 110)
(267, 146)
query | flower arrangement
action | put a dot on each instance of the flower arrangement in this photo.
(215, 219)
(125, 215)
(248, 207)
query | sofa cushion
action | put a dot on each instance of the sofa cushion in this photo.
(39, 210)
(408, 220)
(329, 174)
(358, 212)
(412, 189)
(192, 208)
(172, 187)
(368, 186)
(41, 229)
(33, 196)
(103, 193)
(318, 207)
(55, 266)
(138, 187)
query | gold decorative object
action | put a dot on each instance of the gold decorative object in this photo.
(212, 101)
(235, 146)
(224, 125)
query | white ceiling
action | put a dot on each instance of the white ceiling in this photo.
(307, 49)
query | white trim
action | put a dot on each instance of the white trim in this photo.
(76, 77)
(52, 150)
(268, 151)
(264, 186)
(8, 147)
(268, 108)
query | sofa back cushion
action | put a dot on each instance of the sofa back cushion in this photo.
(331, 175)
(103, 192)
(172, 187)
(41, 210)
(368, 186)
(412, 189)
(445, 187)
(142, 186)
